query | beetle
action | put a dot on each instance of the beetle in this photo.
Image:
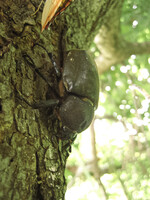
(78, 92)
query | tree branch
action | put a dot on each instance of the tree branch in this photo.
(113, 47)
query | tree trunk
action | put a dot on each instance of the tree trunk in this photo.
(32, 158)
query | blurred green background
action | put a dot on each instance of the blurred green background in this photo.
(121, 128)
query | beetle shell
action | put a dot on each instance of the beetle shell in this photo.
(80, 75)
(76, 114)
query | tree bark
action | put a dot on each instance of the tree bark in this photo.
(32, 158)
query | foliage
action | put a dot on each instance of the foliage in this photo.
(136, 15)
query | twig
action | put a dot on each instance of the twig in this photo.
(38, 8)
(96, 170)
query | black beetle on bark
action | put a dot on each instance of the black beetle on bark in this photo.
(78, 94)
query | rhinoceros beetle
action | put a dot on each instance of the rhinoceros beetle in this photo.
(78, 93)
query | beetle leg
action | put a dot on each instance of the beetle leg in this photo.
(57, 69)
(58, 73)
(46, 103)
(40, 104)
(31, 63)
(68, 144)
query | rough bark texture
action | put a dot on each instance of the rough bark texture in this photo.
(32, 158)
